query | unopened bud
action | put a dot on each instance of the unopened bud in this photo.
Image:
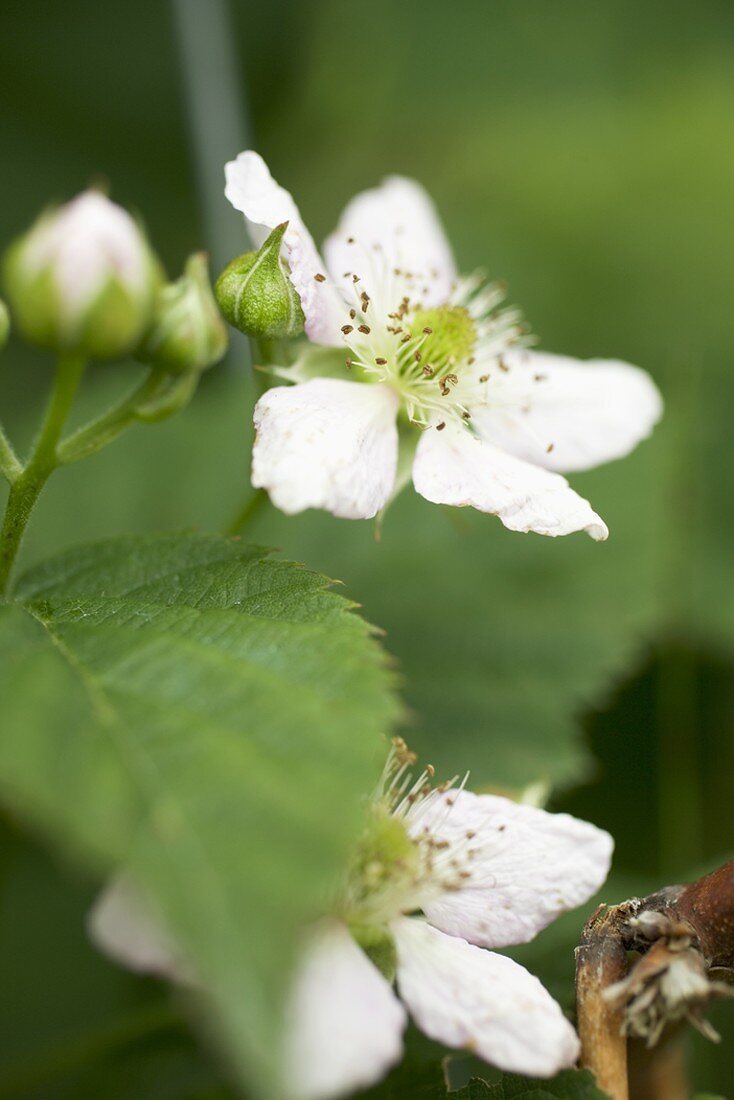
(83, 279)
(4, 324)
(187, 333)
(256, 295)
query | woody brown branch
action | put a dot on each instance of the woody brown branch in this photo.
(689, 926)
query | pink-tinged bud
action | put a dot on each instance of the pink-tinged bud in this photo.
(83, 279)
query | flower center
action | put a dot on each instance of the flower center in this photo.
(450, 334)
(385, 855)
(437, 359)
(397, 864)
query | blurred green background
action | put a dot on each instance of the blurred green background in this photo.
(582, 151)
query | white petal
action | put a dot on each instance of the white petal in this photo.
(327, 444)
(526, 866)
(469, 998)
(393, 226)
(344, 1023)
(252, 190)
(120, 925)
(586, 413)
(454, 467)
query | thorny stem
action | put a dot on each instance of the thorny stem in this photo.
(601, 961)
(28, 483)
(660, 1073)
(691, 927)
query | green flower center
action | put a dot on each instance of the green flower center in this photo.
(450, 335)
(384, 853)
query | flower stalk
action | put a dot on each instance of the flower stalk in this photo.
(28, 482)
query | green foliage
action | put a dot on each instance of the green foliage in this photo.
(210, 718)
(569, 1085)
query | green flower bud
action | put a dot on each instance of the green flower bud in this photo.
(187, 333)
(83, 279)
(4, 324)
(256, 295)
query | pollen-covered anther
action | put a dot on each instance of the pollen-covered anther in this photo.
(402, 753)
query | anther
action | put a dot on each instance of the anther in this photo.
(381, 362)
(365, 329)
(440, 427)
(417, 356)
(549, 448)
(346, 329)
(428, 331)
(320, 278)
(484, 378)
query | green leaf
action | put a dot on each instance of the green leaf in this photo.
(212, 718)
(572, 1084)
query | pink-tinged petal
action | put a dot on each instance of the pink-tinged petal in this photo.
(388, 229)
(465, 997)
(574, 414)
(327, 444)
(454, 467)
(344, 1025)
(120, 925)
(522, 866)
(253, 191)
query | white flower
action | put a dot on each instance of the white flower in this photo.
(482, 872)
(500, 422)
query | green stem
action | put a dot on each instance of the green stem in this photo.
(264, 353)
(247, 513)
(10, 467)
(29, 483)
(95, 435)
